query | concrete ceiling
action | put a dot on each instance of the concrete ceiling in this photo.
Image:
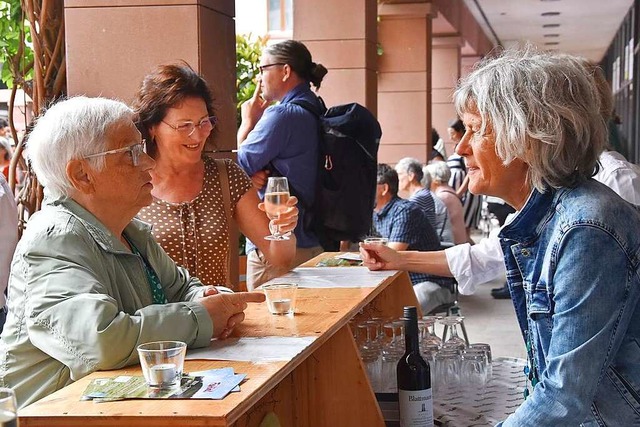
(586, 27)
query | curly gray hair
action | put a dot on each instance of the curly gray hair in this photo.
(543, 108)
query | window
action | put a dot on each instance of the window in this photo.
(280, 14)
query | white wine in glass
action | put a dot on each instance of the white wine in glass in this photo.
(275, 202)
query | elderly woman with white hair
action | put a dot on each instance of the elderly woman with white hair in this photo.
(88, 282)
(440, 173)
(533, 135)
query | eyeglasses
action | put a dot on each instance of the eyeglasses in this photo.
(187, 128)
(134, 151)
(264, 67)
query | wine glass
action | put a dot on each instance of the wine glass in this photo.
(8, 407)
(454, 341)
(275, 202)
(392, 351)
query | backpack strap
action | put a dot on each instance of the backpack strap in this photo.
(306, 105)
(223, 174)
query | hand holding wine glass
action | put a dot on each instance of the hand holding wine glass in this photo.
(280, 208)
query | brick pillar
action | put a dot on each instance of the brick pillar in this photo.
(111, 45)
(444, 77)
(341, 35)
(404, 81)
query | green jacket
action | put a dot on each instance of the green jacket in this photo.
(79, 302)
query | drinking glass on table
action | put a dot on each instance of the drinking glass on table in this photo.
(454, 341)
(8, 408)
(276, 197)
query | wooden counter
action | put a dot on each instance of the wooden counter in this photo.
(324, 385)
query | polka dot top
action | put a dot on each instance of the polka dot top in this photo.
(195, 234)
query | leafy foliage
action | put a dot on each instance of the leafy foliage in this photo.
(16, 57)
(248, 54)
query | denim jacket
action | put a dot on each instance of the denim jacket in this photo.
(80, 302)
(572, 258)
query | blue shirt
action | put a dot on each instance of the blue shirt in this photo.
(572, 259)
(285, 141)
(403, 221)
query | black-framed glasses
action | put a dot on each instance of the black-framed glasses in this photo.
(134, 150)
(264, 67)
(187, 127)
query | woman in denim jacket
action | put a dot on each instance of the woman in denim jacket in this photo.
(534, 130)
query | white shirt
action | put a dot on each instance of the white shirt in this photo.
(620, 175)
(8, 234)
(480, 263)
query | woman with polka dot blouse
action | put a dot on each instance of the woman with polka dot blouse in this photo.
(175, 115)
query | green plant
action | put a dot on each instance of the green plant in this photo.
(248, 52)
(32, 51)
(16, 52)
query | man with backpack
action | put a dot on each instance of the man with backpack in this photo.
(283, 140)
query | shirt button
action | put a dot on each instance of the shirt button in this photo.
(525, 252)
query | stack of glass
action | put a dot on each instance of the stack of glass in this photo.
(456, 368)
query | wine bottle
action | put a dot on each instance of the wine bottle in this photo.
(414, 378)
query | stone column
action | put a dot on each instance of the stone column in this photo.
(341, 35)
(404, 81)
(444, 77)
(112, 44)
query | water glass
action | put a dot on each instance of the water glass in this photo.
(162, 363)
(486, 348)
(377, 241)
(447, 371)
(8, 408)
(281, 297)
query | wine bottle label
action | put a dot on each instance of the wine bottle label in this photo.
(416, 408)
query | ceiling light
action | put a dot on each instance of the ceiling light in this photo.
(550, 14)
(550, 25)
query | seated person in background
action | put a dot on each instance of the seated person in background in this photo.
(410, 174)
(408, 229)
(534, 134)
(88, 282)
(439, 174)
(174, 110)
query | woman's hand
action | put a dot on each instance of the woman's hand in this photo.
(227, 310)
(288, 219)
(379, 257)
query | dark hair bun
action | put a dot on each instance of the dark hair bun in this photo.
(318, 71)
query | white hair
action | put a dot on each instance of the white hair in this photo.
(72, 129)
(426, 177)
(410, 165)
(543, 109)
(439, 172)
